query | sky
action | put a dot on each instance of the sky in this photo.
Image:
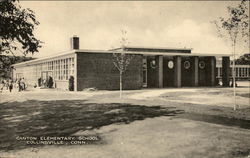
(98, 24)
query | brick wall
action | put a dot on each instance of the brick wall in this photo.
(168, 74)
(205, 75)
(97, 70)
(187, 75)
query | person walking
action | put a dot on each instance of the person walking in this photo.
(71, 83)
(7, 84)
(10, 85)
(2, 86)
(19, 85)
(50, 82)
(23, 84)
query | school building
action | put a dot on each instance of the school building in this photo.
(242, 72)
(149, 67)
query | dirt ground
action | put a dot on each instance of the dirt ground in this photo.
(175, 123)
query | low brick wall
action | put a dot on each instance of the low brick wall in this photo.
(97, 70)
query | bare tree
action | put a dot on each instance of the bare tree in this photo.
(235, 29)
(121, 60)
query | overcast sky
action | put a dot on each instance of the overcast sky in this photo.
(149, 24)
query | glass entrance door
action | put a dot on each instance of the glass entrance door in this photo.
(45, 77)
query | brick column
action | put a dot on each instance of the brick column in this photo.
(196, 71)
(225, 71)
(159, 61)
(177, 72)
(218, 72)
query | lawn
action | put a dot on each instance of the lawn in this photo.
(178, 123)
(66, 117)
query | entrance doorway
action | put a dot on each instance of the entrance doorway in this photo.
(47, 79)
(19, 76)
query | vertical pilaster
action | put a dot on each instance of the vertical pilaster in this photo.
(196, 71)
(159, 60)
(225, 71)
(177, 66)
(218, 72)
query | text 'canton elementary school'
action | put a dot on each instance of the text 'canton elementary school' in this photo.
(149, 67)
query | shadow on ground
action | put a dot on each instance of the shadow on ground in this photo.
(66, 117)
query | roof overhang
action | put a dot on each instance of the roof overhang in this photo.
(153, 49)
(27, 63)
(71, 52)
(154, 53)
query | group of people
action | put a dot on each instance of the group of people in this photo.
(47, 83)
(9, 84)
(21, 85)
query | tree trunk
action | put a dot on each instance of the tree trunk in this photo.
(120, 84)
(234, 87)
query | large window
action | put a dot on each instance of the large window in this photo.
(61, 69)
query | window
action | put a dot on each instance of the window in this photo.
(66, 68)
(202, 64)
(186, 64)
(61, 69)
(170, 64)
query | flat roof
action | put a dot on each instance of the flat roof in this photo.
(128, 46)
(164, 54)
(48, 57)
(153, 49)
(71, 52)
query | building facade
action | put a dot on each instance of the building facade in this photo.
(149, 67)
(242, 72)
